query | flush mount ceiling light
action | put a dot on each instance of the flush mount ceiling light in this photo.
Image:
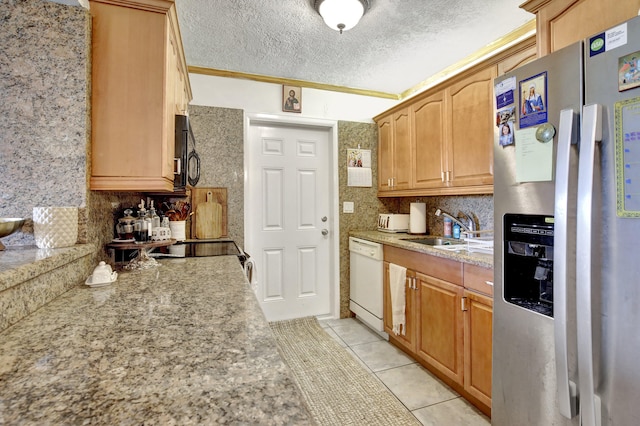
(341, 15)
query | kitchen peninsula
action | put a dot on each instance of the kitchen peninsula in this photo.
(182, 343)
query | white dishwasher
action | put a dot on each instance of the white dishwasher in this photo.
(365, 281)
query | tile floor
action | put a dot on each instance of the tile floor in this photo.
(432, 402)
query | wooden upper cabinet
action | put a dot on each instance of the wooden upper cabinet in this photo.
(394, 151)
(470, 130)
(401, 150)
(385, 153)
(563, 22)
(137, 88)
(428, 142)
(449, 128)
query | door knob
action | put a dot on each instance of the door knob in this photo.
(325, 232)
(324, 218)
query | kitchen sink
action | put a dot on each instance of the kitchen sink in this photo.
(435, 241)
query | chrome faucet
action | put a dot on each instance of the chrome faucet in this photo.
(471, 223)
(469, 228)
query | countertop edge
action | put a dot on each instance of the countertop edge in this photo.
(401, 240)
(20, 264)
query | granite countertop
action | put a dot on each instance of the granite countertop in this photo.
(403, 240)
(183, 343)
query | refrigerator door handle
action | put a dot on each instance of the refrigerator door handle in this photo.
(590, 410)
(567, 397)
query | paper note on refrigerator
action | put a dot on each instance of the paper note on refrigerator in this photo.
(534, 160)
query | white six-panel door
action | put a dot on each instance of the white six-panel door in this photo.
(289, 219)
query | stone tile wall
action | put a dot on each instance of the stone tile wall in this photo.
(219, 134)
(44, 66)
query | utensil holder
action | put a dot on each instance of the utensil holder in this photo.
(55, 227)
(178, 229)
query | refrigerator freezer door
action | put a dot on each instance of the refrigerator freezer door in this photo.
(613, 259)
(524, 385)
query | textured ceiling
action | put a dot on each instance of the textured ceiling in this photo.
(396, 45)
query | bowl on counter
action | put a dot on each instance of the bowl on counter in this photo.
(8, 226)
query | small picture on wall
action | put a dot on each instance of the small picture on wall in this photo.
(291, 98)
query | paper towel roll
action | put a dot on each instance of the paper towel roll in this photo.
(418, 218)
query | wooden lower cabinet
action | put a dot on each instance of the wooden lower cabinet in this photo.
(449, 327)
(478, 322)
(440, 326)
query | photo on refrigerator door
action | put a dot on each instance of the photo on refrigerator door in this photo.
(533, 100)
(629, 71)
(505, 120)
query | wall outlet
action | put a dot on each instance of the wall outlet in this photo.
(347, 207)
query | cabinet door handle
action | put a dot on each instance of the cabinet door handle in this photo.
(463, 303)
(442, 176)
(489, 283)
(415, 283)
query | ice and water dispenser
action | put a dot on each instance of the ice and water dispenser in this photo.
(528, 262)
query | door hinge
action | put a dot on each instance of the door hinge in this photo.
(463, 304)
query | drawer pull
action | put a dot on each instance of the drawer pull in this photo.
(489, 283)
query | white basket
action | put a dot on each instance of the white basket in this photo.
(55, 227)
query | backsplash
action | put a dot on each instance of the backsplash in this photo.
(480, 206)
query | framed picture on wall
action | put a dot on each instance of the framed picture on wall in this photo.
(291, 98)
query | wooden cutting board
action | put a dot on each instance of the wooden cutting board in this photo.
(210, 217)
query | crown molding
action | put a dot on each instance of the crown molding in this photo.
(290, 82)
(492, 49)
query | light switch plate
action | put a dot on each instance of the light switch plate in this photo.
(347, 207)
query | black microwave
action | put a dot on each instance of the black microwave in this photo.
(187, 161)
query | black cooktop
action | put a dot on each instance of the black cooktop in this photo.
(199, 248)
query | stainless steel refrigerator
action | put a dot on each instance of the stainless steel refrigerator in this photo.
(566, 325)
